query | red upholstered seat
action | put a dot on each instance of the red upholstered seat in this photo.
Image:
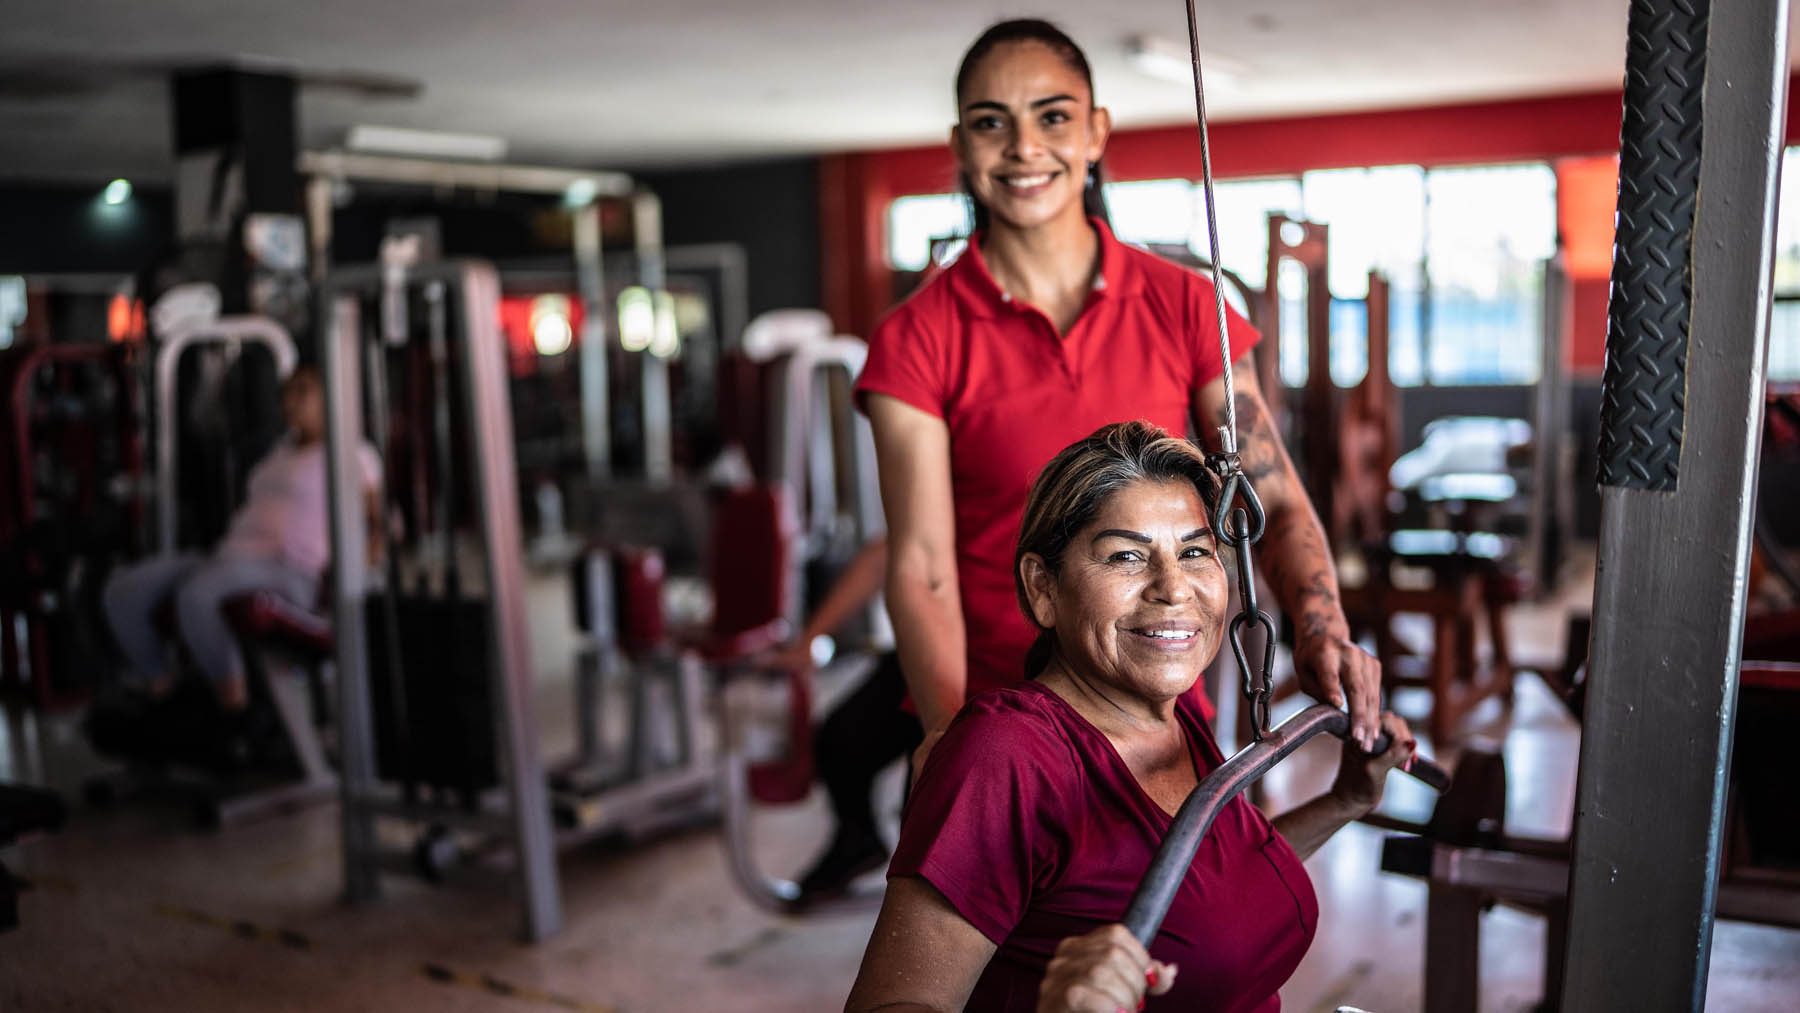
(1772, 636)
(267, 617)
(753, 537)
(643, 625)
(755, 534)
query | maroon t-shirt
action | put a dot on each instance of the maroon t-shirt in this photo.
(1028, 821)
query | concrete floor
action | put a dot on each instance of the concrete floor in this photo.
(132, 909)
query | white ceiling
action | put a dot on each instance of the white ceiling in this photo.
(603, 83)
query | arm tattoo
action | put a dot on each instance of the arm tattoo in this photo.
(1297, 568)
(1296, 561)
(1259, 448)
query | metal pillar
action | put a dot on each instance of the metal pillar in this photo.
(590, 278)
(496, 492)
(1700, 152)
(657, 404)
(1548, 536)
(342, 348)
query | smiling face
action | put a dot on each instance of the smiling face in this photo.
(1027, 130)
(1139, 601)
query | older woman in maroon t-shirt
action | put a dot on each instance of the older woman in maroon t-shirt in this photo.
(1041, 808)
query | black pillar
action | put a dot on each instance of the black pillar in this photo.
(237, 191)
(1686, 346)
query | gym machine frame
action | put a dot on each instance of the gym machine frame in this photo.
(525, 816)
(24, 657)
(804, 431)
(1688, 326)
(233, 333)
(806, 456)
(292, 701)
(323, 169)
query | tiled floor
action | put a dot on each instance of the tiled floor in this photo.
(134, 910)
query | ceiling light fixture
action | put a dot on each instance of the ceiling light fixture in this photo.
(551, 331)
(581, 192)
(1155, 56)
(425, 143)
(117, 192)
(637, 319)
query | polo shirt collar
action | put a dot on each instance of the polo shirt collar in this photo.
(984, 296)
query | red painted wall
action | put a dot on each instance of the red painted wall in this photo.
(1587, 192)
(1579, 134)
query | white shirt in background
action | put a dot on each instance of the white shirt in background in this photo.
(285, 512)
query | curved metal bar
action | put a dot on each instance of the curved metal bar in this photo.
(770, 892)
(227, 331)
(1157, 889)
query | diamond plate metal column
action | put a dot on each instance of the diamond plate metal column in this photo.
(1700, 149)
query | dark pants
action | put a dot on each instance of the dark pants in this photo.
(866, 732)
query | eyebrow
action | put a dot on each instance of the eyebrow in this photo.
(1035, 104)
(1143, 539)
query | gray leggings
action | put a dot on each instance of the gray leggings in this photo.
(200, 585)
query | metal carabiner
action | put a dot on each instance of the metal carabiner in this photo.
(1257, 691)
(1236, 486)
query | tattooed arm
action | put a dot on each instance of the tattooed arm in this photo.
(1294, 557)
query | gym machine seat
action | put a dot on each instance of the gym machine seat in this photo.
(290, 769)
(1469, 862)
(752, 581)
(767, 713)
(265, 617)
(1470, 586)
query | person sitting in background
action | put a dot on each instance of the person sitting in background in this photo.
(864, 733)
(278, 541)
(1039, 811)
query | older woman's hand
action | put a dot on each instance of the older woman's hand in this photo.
(1361, 776)
(1102, 972)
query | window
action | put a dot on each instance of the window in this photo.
(914, 223)
(12, 307)
(1488, 232)
(1784, 321)
(1377, 222)
(1244, 210)
(1153, 211)
(1462, 250)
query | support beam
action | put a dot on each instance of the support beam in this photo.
(657, 397)
(596, 396)
(1701, 147)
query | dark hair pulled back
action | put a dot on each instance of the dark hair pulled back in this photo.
(1093, 200)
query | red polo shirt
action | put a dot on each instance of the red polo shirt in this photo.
(1014, 393)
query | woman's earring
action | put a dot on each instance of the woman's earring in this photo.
(1093, 174)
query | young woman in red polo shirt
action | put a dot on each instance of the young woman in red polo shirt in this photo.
(1046, 328)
